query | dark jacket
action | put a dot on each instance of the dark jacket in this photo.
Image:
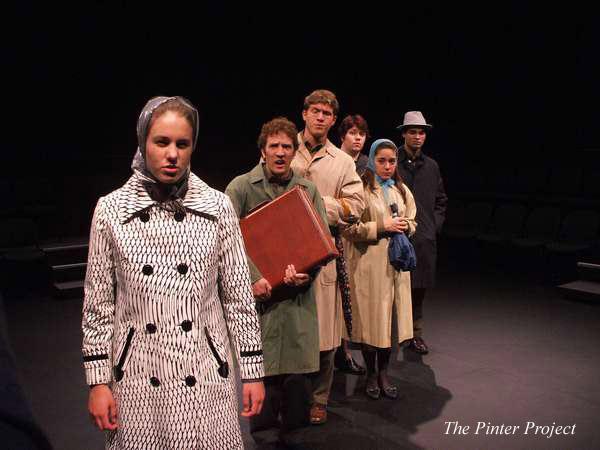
(423, 178)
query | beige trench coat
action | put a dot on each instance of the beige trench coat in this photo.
(334, 174)
(375, 284)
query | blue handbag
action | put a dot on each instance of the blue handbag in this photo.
(400, 251)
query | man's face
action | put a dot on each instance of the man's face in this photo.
(354, 140)
(318, 119)
(414, 138)
(278, 154)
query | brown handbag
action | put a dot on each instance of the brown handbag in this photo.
(287, 230)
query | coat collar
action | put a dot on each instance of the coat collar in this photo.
(327, 149)
(257, 176)
(199, 199)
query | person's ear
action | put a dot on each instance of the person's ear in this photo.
(262, 153)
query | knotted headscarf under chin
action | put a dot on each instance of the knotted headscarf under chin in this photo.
(153, 185)
(385, 184)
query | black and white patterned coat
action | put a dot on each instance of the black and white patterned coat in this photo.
(164, 293)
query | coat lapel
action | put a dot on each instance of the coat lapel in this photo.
(199, 199)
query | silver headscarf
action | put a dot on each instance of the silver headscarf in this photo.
(143, 126)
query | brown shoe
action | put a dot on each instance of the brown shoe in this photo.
(318, 414)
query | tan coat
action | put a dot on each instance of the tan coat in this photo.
(375, 284)
(334, 174)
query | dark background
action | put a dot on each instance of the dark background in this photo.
(512, 95)
(490, 79)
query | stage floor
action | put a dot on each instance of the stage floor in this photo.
(504, 351)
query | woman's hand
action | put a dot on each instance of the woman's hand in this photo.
(102, 407)
(293, 278)
(253, 396)
(395, 224)
(261, 289)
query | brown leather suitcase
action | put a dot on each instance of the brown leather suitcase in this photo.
(287, 230)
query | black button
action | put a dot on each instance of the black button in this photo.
(186, 325)
(118, 373)
(224, 370)
(154, 381)
(179, 216)
(182, 268)
(150, 328)
(144, 216)
(190, 380)
(147, 269)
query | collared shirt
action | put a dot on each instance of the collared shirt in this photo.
(312, 150)
(278, 185)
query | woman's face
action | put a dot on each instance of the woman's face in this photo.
(385, 163)
(169, 147)
(354, 140)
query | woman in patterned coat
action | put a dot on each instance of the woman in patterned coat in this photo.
(167, 285)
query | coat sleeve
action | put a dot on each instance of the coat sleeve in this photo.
(366, 229)
(236, 295)
(441, 200)
(238, 199)
(99, 301)
(318, 203)
(411, 211)
(350, 195)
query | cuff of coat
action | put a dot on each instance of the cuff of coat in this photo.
(251, 367)
(255, 274)
(97, 374)
(334, 210)
(380, 227)
(254, 380)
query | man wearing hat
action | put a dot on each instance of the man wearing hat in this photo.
(422, 175)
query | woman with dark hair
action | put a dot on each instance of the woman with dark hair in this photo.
(167, 284)
(354, 131)
(375, 285)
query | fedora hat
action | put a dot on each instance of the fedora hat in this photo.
(414, 119)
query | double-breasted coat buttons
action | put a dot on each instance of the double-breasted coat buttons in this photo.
(182, 268)
(186, 325)
(147, 269)
(190, 380)
(144, 216)
(154, 381)
(151, 328)
(179, 216)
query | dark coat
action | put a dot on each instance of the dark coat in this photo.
(423, 178)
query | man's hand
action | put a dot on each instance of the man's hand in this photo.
(253, 396)
(395, 224)
(102, 407)
(293, 278)
(261, 290)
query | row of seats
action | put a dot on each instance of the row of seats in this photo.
(565, 180)
(542, 242)
(524, 226)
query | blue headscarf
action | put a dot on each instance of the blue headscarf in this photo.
(385, 184)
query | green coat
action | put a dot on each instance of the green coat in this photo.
(290, 331)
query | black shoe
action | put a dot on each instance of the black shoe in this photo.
(348, 365)
(390, 392)
(418, 345)
(373, 391)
